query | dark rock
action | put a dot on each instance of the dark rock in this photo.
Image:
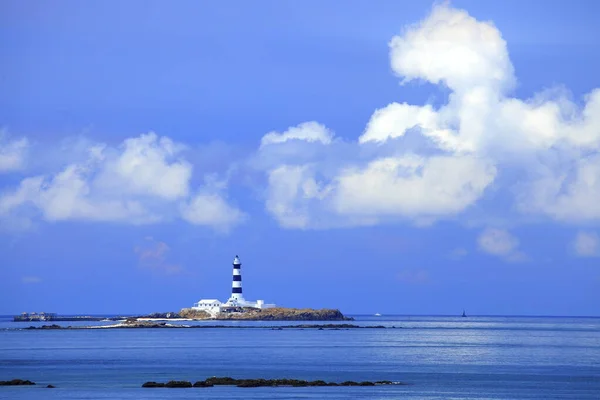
(323, 326)
(178, 384)
(50, 386)
(221, 381)
(16, 382)
(153, 385)
(290, 382)
(133, 323)
(53, 326)
(203, 384)
(249, 383)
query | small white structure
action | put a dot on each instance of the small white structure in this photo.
(245, 303)
(213, 306)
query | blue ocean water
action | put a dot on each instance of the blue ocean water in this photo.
(438, 357)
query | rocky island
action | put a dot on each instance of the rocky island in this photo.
(253, 314)
(240, 313)
(269, 314)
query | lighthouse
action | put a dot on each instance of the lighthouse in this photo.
(233, 304)
(236, 284)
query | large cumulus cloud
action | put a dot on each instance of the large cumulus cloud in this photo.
(479, 133)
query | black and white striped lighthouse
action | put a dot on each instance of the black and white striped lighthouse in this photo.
(236, 284)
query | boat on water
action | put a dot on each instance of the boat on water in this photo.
(377, 315)
(464, 314)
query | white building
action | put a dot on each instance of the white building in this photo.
(213, 306)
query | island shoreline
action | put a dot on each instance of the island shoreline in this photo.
(150, 325)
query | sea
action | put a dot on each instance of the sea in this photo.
(437, 357)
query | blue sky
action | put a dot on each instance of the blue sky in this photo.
(392, 157)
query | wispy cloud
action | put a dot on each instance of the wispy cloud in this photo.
(413, 276)
(501, 243)
(153, 255)
(458, 253)
(12, 152)
(31, 279)
(587, 244)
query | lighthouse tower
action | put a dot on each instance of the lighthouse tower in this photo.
(214, 307)
(236, 285)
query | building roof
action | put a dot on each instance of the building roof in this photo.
(209, 301)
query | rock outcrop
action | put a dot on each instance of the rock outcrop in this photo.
(134, 323)
(193, 314)
(53, 326)
(17, 382)
(170, 384)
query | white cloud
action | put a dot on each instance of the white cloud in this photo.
(587, 244)
(209, 206)
(147, 165)
(408, 186)
(451, 47)
(471, 58)
(412, 186)
(500, 243)
(565, 192)
(549, 141)
(12, 153)
(142, 181)
(211, 209)
(307, 131)
(294, 195)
